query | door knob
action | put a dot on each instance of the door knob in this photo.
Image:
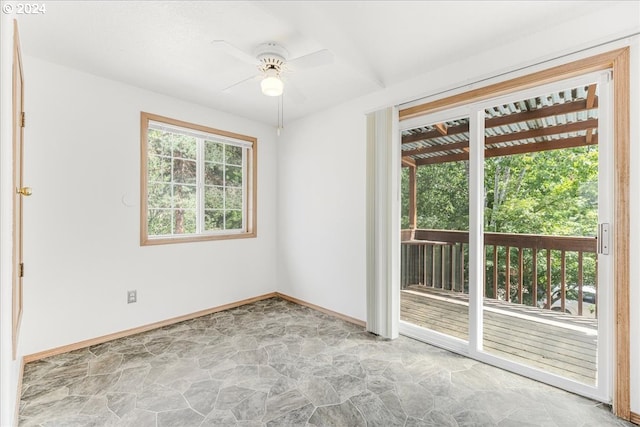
(25, 191)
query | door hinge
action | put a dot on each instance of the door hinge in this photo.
(22, 119)
(22, 269)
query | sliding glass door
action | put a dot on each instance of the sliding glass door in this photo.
(506, 223)
(540, 220)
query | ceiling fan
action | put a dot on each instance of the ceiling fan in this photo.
(272, 61)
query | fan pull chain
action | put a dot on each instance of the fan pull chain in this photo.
(280, 115)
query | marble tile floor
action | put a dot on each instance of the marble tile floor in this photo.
(275, 363)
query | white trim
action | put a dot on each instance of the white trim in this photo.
(200, 191)
(169, 128)
(476, 227)
(605, 215)
(438, 339)
(245, 173)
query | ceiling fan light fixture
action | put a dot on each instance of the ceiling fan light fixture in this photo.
(271, 85)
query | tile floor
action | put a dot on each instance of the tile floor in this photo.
(275, 363)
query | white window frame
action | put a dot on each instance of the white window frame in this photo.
(200, 133)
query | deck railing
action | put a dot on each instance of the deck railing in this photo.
(552, 272)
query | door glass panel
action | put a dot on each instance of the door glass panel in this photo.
(435, 227)
(540, 219)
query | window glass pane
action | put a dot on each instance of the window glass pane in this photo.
(184, 221)
(213, 220)
(184, 147)
(159, 142)
(435, 209)
(233, 155)
(233, 176)
(213, 198)
(159, 169)
(541, 185)
(233, 198)
(233, 220)
(184, 196)
(213, 174)
(213, 152)
(159, 195)
(195, 182)
(159, 221)
(184, 171)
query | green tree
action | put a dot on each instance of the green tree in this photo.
(442, 196)
(550, 192)
(171, 169)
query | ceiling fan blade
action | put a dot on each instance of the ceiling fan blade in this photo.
(315, 59)
(235, 52)
(229, 89)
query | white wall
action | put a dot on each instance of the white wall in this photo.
(321, 223)
(81, 238)
(321, 165)
(9, 369)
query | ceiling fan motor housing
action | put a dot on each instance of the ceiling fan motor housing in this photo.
(271, 56)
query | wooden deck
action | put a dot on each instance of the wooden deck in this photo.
(555, 342)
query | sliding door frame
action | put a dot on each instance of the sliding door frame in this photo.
(619, 62)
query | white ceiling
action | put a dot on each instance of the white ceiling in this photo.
(167, 46)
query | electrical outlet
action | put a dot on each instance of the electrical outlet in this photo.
(132, 296)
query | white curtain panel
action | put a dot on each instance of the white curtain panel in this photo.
(383, 223)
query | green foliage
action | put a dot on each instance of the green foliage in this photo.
(442, 196)
(213, 152)
(172, 176)
(550, 193)
(233, 155)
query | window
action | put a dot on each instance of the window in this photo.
(197, 183)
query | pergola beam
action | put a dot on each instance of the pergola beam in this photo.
(591, 97)
(557, 144)
(408, 162)
(541, 113)
(442, 128)
(536, 133)
(443, 159)
(454, 130)
(436, 148)
(554, 110)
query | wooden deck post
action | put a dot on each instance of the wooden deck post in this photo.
(413, 196)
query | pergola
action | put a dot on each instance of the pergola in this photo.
(559, 120)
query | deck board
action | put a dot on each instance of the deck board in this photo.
(560, 344)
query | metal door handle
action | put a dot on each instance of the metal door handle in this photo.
(25, 191)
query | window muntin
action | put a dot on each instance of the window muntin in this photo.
(198, 183)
